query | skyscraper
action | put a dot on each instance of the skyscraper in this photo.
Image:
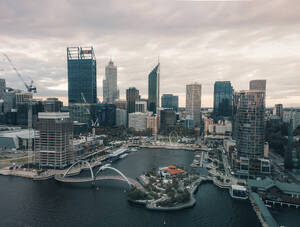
(278, 110)
(153, 89)
(2, 87)
(222, 100)
(258, 85)
(82, 75)
(132, 95)
(110, 86)
(169, 101)
(193, 103)
(250, 124)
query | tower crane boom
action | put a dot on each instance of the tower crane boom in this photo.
(30, 87)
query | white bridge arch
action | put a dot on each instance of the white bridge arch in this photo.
(81, 162)
(114, 169)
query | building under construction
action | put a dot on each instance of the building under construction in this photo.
(53, 140)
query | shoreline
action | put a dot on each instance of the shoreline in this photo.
(191, 203)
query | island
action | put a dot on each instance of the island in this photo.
(167, 188)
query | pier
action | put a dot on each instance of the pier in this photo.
(262, 211)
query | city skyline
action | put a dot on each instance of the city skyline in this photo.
(250, 44)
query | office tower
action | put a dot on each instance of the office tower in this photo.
(278, 110)
(222, 100)
(9, 99)
(121, 117)
(82, 75)
(169, 101)
(250, 124)
(132, 95)
(105, 113)
(80, 112)
(53, 141)
(167, 120)
(291, 156)
(121, 104)
(153, 89)
(2, 87)
(257, 85)
(153, 123)
(110, 86)
(138, 121)
(193, 103)
(52, 105)
(141, 106)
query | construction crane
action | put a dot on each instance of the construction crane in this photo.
(30, 87)
(95, 123)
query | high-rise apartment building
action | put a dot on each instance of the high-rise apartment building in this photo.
(223, 92)
(82, 75)
(53, 140)
(169, 101)
(258, 85)
(250, 124)
(153, 89)
(193, 103)
(110, 83)
(132, 95)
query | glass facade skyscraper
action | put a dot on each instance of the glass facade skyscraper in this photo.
(132, 95)
(82, 75)
(153, 89)
(169, 101)
(223, 93)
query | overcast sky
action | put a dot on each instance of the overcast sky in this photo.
(197, 41)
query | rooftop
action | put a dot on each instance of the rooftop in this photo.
(268, 183)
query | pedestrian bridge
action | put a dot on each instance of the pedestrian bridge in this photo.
(75, 180)
(95, 177)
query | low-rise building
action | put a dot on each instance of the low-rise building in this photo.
(275, 191)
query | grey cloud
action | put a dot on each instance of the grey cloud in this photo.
(196, 41)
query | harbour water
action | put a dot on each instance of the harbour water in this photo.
(24, 202)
